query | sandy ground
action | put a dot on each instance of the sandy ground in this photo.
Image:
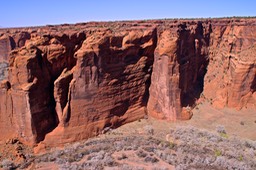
(240, 123)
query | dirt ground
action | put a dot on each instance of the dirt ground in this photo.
(241, 123)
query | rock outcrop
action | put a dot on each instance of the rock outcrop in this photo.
(70, 82)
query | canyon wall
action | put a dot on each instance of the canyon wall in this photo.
(70, 82)
(232, 68)
(181, 60)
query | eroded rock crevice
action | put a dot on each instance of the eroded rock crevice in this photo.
(253, 86)
(58, 53)
(62, 96)
(193, 60)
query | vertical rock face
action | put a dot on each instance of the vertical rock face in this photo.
(164, 101)
(69, 82)
(29, 79)
(181, 60)
(232, 68)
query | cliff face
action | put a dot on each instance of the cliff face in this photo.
(181, 60)
(232, 69)
(69, 82)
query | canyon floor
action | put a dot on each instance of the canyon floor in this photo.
(212, 139)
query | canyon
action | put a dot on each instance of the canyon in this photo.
(64, 83)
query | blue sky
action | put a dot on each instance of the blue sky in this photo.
(15, 13)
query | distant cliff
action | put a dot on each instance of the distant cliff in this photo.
(69, 82)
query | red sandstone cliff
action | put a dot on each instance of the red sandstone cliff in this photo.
(69, 82)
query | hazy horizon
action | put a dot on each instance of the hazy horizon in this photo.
(34, 13)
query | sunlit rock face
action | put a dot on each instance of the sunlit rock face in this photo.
(65, 83)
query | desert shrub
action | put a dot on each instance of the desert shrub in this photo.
(118, 145)
(153, 140)
(217, 153)
(141, 154)
(7, 164)
(181, 167)
(128, 148)
(220, 161)
(149, 149)
(123, 156)
(73, 167)
(151, 159)
(66, 165)
(98, 156)
(149, 130)
(251, 152)
(164, 144)
(71, 159)
(108, 160)
(221, 129)
(250, 144)
(159, 168)
(78, 156)
(43, 158)
(126, 167)
(85, 152)
(224, 135)
(60, 161)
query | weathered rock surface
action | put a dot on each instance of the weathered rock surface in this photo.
(181, 60)
(69, 82)
(232, 68)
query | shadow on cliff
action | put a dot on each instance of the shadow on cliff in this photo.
(55, 69)
(192, 56)
(253, 86)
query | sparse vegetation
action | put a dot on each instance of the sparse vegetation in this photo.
(217, 153)
(187, 148)
(224, 135)
(149, 130)
(221, 129)
(7, 164)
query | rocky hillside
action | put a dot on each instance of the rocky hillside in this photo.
(70, 82)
